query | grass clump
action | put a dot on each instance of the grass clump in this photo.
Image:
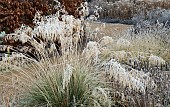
(68, 85)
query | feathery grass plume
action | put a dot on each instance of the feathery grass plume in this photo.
(92, 51)
(67, 76)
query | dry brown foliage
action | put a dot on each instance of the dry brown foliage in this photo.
(17, 12)
(14, 13)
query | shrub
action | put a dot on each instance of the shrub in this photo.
(15, 13)
(18, 12)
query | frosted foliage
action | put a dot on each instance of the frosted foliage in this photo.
(134, 80)
(156, 60)
(92, 50)
(144, 78)
(50, 29)
(67, 75)
(62, 31)
(21, 34)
